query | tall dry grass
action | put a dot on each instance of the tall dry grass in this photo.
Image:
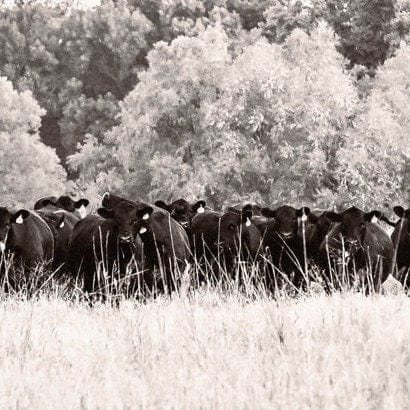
(206, 350)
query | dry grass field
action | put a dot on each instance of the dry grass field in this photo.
(207, 350)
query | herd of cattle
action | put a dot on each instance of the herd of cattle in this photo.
(126, 234)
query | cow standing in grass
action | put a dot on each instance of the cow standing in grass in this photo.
(356, 249)
(401, 240)
(27, 239)
(102, 247)
(165, 243)
(61, 214)
(282, 239)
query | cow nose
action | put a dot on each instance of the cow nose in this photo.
(287, 235)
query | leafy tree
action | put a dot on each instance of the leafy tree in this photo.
(263, 126)
(28, 168)
(364, 27)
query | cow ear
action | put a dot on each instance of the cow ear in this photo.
(303, 213)
(399, 211)
(268, 213)
(82, 202)
(372, 214)
(42, 203)
(333, 216)
(106, 213)
(162, 204)
(20, 216)
(199, 207)
(145, 212)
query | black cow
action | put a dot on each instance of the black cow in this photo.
(52, 203)
(103, 245)
(218, 239)
(281, 236)
(182, 211)
(238, 233)
(362, 243)
(165, 242)
(401, 240)
(62, 225)
(27, 236)
(316, 228)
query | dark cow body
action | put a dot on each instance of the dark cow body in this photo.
(401, 240)
(365, 245)
(282, 237)
(27, 236)
(104, 242)
(218, 240)
(62, 225)
(165, 242)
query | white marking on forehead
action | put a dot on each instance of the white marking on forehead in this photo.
(145, 216)
(200, 210)
(143, 230)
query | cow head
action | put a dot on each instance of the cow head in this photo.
(124, 217)
(233, 225)
(7, 220)
(353, 225)
(111, 201)
(66, 203)
(182, 211)
(286, 220)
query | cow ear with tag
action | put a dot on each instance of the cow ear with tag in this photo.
(199, 207)
(145, 212)
(247, 215)
(20, 216)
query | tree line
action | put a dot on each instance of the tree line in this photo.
(227, 100)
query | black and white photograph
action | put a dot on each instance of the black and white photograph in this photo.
(205, 204)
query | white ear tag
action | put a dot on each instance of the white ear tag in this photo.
(19, 220)
(248, 222)
(82, 211)
(374, 219)
(61, 225)
(145, 216)
(200, 210)
(2, 246)
(143, 230)
(304, 218)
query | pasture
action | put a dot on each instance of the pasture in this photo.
(205, 349)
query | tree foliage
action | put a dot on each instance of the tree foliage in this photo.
(28, 168)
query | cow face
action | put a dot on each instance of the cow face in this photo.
(353, 223)
(182, 211)
(232, 227)
(7, 220)
(286, 220)
(124, 217)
